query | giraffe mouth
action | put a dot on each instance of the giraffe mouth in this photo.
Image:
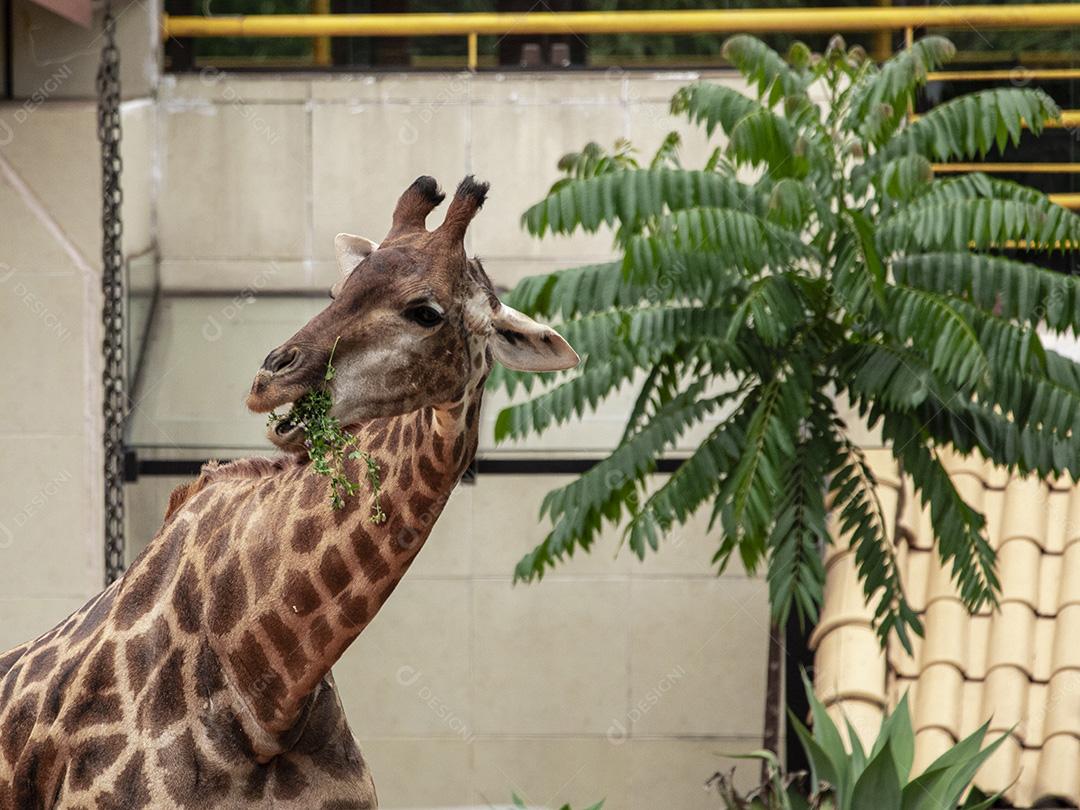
(285, 433)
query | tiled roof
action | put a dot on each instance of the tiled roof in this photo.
(1018, 666)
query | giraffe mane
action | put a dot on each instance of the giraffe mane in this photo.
(213, 471)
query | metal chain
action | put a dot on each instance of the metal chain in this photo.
(112, 286)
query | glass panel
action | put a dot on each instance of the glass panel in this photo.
(142, 288)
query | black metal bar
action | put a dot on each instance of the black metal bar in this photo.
(9, 49)
(138, 467)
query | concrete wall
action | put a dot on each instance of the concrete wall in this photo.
(51, 557)
(307, 158)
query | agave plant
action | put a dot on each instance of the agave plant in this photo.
(845, 271)
(851, 778)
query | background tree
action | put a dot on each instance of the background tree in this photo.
(846, 270)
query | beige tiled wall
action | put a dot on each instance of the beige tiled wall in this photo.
(51, 552)
(299, 159)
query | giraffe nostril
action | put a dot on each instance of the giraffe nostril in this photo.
(281, 359)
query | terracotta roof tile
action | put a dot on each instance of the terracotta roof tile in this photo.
(1018, 666)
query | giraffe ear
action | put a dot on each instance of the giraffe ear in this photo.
(350, 250)
(522, 344)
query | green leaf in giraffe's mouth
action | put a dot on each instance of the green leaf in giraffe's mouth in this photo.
(328, 445)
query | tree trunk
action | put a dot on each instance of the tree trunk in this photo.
(774, 695)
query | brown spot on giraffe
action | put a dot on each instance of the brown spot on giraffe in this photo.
(202, 677)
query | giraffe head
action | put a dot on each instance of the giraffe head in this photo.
(412, 322)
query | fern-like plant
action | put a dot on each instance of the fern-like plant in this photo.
(846, 270)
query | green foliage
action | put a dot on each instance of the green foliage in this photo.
(328, 445)
(844, 270)
(847, 777)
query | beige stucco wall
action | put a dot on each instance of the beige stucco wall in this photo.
(51, 557)
(611, 677)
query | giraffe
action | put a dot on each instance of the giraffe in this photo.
(202, 678)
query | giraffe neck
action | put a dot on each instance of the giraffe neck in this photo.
(317, 575)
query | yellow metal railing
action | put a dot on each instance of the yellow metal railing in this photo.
(879, 18)
(758, 21)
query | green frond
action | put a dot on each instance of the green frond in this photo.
(772, 308)
(750, 242)
(593, 160)
(887, 373)
(712, 105)
(1007, 344)
(1037, 400)
(970, 126)
(575, 290)
(961, 531)
(1014, 289)
(979, 224)
(660, 386)
(905, 177)
(579, 510)
(854, 502)
(764, 138)
(763, 68)
(667, 154)
(843, 267)
(891, 89)
(652, 271)
(790, 203)
(971, 426)
(937, 331)
(616, 345)
(972, 185)
(662, 267)
(629, 196)
(796, 572)
(694, 482)
(853, 283)
(752, 490)
(595, 382)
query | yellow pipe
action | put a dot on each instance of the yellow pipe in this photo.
(883, 39)
(1066, 200)
(1038, 168)
(786, 20)
(321, 45)
(1069, 119)
(1015, 74)
(473, 58)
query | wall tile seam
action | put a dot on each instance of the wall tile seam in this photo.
(246, 259)
(585, 579)
(60, 272)
(195, 104)
(203, 105)
(309, 191)
(477, 736)
(58, 105)
(586, 258)
(46, 596)
(135, 103)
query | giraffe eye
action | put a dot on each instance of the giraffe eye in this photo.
(424, 315)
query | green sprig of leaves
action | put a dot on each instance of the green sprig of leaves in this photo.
(328, 445)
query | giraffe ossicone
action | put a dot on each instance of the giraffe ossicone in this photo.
(201, 678)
